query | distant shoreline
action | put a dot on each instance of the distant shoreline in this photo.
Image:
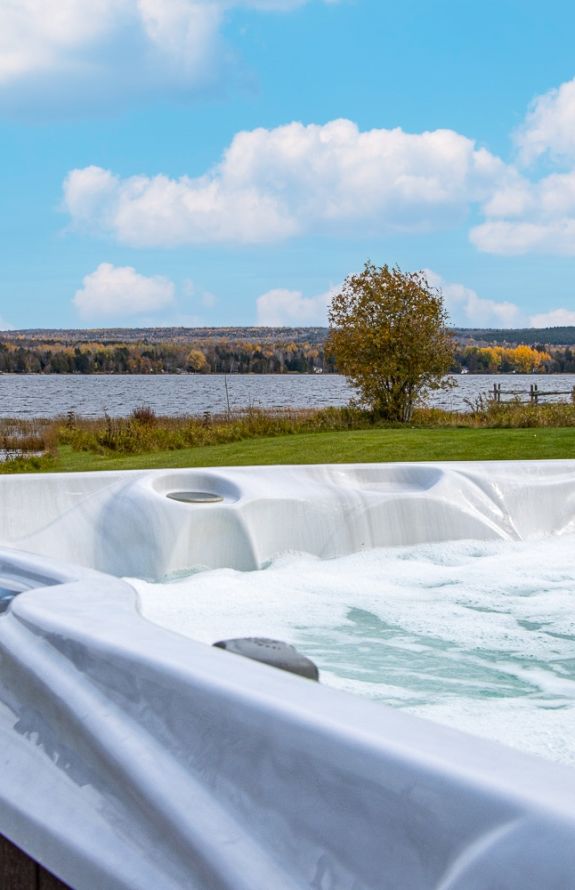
(330, 373)
(258, 351)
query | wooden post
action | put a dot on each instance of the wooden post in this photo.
(227, 395)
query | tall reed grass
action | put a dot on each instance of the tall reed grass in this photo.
(144, 431)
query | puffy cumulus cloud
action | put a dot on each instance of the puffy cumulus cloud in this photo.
(514, 238)
(272, 184)
(335, 171)
(467, 308)
(553, 319)
(56, 51)
(280, 307)
(526, 214)
(36, 35)
(121, 291)
(530, 217)
(158, 211)
(549, 126)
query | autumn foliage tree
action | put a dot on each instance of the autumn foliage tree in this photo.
(388, 335)
(196, 361)
(523, 359)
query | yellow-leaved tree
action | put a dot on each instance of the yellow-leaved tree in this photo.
(196, 361)
(388, 335)
(526, 360)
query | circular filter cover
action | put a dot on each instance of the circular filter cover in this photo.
(195, 497)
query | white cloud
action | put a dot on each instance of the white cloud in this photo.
(289, 308)
(121, 291)
(272, 184)
(549, 126)
(553, 319)
(282, 307)
(530, 217)
(525, 215)
(515, 238)
(158, 211)
(56, 51)
(5, 325)
(467, 308)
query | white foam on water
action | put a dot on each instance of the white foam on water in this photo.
(478, 635)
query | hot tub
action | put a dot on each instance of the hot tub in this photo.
(137, 756)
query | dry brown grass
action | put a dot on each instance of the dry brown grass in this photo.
(489, 414)
(145, 431)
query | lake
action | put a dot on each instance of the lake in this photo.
(37, 395)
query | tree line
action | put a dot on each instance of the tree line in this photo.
(247, 357)
(521, 359)
(221, 357)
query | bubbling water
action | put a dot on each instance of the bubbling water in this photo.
(477, 635)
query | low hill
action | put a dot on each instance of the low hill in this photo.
(560, 336)
(557, 336)
(70, 337)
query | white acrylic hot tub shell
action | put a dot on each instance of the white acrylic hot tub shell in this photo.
(133, 757)
(124, 524)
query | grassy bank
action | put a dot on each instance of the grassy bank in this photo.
(334, 435)
(352, 446)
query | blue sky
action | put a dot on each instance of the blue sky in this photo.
(226, 163)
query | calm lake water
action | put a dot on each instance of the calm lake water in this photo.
(36, 395)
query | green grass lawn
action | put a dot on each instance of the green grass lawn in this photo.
(345, 447)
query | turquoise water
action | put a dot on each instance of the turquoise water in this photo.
(478, 635)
